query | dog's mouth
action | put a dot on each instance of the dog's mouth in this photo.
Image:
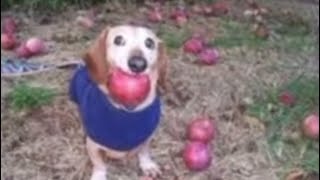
(128, 89)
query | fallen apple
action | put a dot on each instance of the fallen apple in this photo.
(181, 20)
(180, 15)
(193, 46)
(8, 41)
(22, 51)
(9, 25)
(201, 129)
(128, 89)
(311, 126)
(209, 56)
(179, 11)
(197, 156)
(287, 98)
(35, 45)
(155, 15)
(220, 8)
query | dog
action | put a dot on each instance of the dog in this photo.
(109, 126)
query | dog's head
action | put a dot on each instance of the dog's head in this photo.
(134, 50)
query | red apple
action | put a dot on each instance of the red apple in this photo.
(287, 98)
(9, 25)
(35, 45)
(180, 15)
(220, 8)
(197, 156)
(8, 41)
(209, 56)
(179, 11)
(193, 46)
(128, 89)
(155, 15)
(181, 20)
(201, 129)
(23, 51)
(311, 126)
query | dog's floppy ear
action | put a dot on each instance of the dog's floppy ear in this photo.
(163, 67)
(95, 58)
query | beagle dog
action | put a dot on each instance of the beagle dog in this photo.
(110, 127)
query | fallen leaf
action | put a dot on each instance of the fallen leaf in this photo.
(254, 123)
(297, 174)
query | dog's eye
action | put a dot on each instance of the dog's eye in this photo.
(119, 41)
(149, 43)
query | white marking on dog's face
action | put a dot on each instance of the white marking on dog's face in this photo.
(124, 41)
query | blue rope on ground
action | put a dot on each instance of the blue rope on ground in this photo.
(20, 67)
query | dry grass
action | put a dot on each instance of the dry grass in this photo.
(48, 142)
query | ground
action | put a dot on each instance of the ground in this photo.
(48, 142)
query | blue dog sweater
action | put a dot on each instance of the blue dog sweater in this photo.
(107, 125)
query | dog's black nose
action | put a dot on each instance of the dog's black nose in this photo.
(137, 64)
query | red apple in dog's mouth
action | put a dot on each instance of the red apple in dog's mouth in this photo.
(128, 89)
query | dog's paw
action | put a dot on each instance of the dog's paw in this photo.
(99, 175)
(150, 168)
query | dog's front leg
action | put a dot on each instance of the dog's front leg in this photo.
(147, 165)
(99, 167)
